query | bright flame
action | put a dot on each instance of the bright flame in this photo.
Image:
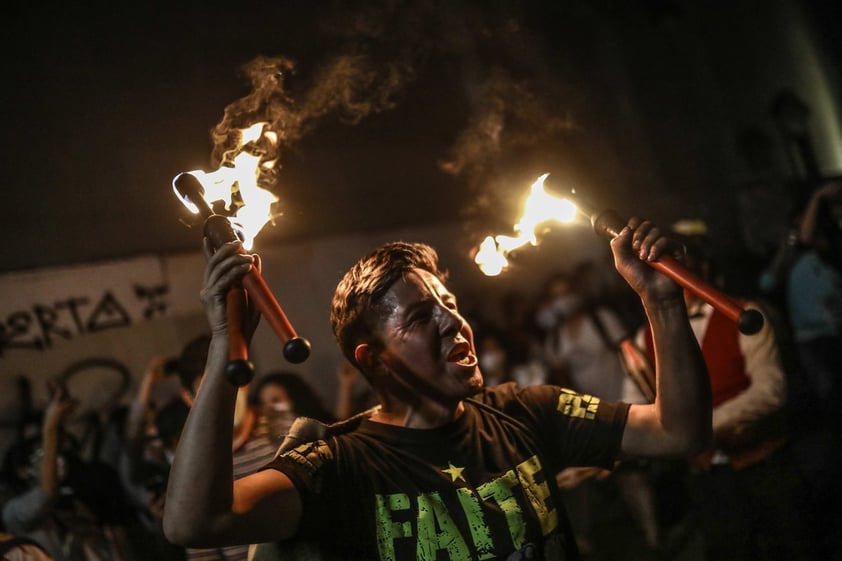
(253, 208)
(539, 207)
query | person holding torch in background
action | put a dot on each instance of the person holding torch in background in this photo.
(445, 467)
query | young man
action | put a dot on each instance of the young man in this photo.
(446, 468)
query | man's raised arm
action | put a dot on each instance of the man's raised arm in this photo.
(204, 507)
(678, 423)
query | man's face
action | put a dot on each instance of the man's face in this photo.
(428, 348)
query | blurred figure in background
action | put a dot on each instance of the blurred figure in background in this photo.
(282, 397)
(151, 434)
(747, 497)
(580, 346)
(287, 391)
(805, 278)
(523, 338)
(76, 509)
(494, 355)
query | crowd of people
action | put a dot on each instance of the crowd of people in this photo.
(479, 439)
(63, 503)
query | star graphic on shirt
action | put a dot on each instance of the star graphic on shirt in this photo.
(454, 472)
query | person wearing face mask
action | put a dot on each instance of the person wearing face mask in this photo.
(580, 338)
(282, 397)
(561, 304)
(493, 356)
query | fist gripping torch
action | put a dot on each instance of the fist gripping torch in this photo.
(218, 229)
(608, 224)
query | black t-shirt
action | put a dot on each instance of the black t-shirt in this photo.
(481, 487)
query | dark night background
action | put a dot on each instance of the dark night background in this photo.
(646, 106)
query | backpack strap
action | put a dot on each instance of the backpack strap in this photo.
(631, 358)
(603, 332)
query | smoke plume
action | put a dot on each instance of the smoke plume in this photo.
(371, 52)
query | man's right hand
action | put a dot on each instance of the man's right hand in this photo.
(225, 267)
(641, 241)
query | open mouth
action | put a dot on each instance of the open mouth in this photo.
(461, 354)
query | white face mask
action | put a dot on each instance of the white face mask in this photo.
(280, 406)
(560, 308)
(492, 362)
(566, 305)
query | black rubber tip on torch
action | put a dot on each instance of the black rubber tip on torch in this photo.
(750, 322)
(297, 350)
(239, 372)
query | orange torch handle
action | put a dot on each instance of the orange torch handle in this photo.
(219, 231)
(296, 349)
(235, 304)
(239, 370)
(263, 299)
(749, 321)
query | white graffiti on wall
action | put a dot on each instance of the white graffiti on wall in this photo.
(40, 308)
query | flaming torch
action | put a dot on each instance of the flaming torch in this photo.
(236, 188)
(541, 207)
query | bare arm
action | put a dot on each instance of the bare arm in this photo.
(136, 424)
(679, 421)
(27, 511)
(60, 406)
(204, 506)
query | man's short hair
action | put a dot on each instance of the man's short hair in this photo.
(355, 310)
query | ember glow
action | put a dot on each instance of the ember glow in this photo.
(540, 207)
(236, 186)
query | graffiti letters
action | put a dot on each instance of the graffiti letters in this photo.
(156, 303)
(39, 327)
